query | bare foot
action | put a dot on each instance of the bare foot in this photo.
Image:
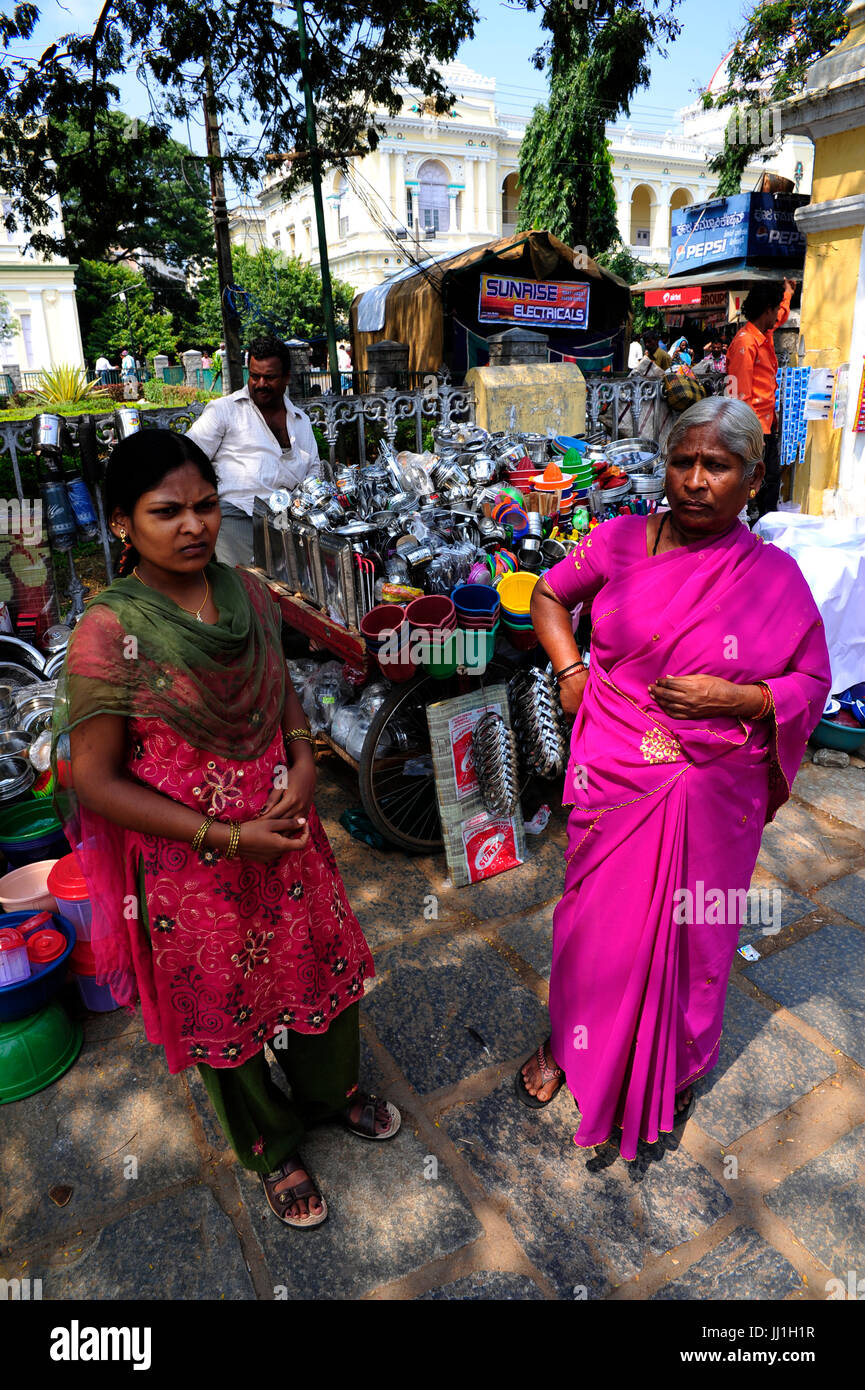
(538, 1083)
(683, 1100)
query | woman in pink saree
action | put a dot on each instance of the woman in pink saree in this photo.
(708, 672)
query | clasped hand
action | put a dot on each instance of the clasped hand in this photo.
(281, 825)
(694, 697)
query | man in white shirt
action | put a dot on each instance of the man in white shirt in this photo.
(257, 441)
(104, 368)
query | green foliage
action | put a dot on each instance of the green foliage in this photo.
(597, 59)
(65, 385)
(162, 393)
(284, 298)
(104, 319)
(780, 41)
(360, 59)
(8, 321)
(621, 262)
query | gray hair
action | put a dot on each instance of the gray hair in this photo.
(737, 424)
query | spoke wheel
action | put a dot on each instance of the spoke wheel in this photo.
(397, 783)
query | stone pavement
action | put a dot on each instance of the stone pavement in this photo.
(761, 1197)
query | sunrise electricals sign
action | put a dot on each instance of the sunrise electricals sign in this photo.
(563, 303)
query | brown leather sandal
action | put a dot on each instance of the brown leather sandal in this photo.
(364, 1126)
(280, 1201)
(548, 1073)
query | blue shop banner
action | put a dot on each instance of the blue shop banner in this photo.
(744, 227)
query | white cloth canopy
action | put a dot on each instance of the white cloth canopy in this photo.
(831, 555)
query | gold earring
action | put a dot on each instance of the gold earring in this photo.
(122, 533)
(753, 492)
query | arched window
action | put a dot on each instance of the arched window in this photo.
(340, 193)
(433, 209)
(642, 215)
(680, 199)
(510, 198)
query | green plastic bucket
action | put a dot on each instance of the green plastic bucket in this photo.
(36, 1050)
(478, 648)
(443, 656)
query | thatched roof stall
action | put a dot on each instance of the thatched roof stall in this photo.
(434, 308)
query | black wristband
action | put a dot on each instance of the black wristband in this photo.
(566, 670)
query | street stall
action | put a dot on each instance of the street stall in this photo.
(416, 576)
(445, 309)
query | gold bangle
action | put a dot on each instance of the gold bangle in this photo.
(198, 838)
(292, 734)
(233, 839)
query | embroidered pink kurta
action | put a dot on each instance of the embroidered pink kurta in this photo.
(661, 805)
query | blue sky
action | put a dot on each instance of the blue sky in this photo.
(505, 38)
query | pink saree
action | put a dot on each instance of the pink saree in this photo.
(661, 805)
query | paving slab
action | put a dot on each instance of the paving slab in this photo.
(822, 980)
(182, 1247)
(806, 848)
(487, 1285)
(386, 1219)
(772, 906)
(587, 1227)
(847, 896)
(467, 1009)
(117, 1103)
(823, 1203)
(532, 938)
(742, 1267)
(837, 791)
(764, 1066)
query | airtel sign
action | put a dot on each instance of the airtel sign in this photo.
(666, 299)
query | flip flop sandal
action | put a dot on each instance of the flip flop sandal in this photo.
(279, 1202)
(364, 1127)
(548, 1073)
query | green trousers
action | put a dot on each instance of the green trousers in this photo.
(262, 1125)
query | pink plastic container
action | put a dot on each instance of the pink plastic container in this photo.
(67, 883)
(14, 961)
(27, 888)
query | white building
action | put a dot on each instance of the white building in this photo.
(441, 184)
(41, 295)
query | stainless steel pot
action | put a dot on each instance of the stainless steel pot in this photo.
(537, 446)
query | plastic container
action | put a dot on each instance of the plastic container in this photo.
(478, 648)
(397, 664)
(36, 1050)
(45, 945)
(27, 888)
(14, 961)
(479, 599)
(82, 965)
(515, 592)
(31, 832)
(828, 734)
(67, 883)
(25, 997)
(441, 655)
(431, 613)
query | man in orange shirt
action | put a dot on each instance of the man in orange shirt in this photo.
(752, 363)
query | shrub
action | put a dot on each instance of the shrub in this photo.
(66, 385)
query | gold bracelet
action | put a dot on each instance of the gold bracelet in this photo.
(198, 837)
(293, 734)
(233, 839)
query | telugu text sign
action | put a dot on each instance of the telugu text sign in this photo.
(564, 303)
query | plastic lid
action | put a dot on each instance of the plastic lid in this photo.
(551, 480)
(82, 961)
(10, 939)
(46, 945)
(67, 881)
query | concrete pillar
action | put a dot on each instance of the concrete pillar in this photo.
(388, 364)
(13, 370)
(160, 362)
(398, 185)
(298, 380)
(453, 223)
(517, 346)
(470, 215)
(191, 364)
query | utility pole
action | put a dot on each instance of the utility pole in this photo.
(315, 174)
(233, 363)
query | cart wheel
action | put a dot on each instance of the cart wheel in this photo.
(397, 783)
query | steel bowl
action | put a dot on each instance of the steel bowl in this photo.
(16, 775)
(13, 741)
(634, 455)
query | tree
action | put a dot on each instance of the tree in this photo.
(8, 321)
(275, 294)
(104, 318)
(361, 54)
(623, 263)
(597, 58)
(779, 42)
(130, 189)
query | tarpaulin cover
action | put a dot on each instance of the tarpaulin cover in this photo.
(423, 306)
(831, 555)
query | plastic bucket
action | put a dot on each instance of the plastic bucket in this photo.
(442, 654)
(31, 832)
(403, 667)
(36, 1050)
(67, 883)
(27, 888)
(431, 613)
(97, 998)
(478, 648)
